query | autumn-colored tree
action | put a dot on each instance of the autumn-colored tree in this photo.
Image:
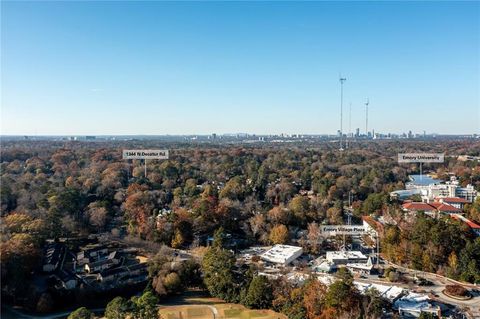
(314, 298)
(278, 234)
(314, 237)
(300, 208)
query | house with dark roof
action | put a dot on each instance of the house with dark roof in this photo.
(65, 280)
(53, 255)
(100, 265)
(90, 254)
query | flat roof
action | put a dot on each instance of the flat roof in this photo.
(345, 255)
(281, 253)
(423, 180)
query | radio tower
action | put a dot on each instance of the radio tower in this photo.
(366, 117)
(341, 111)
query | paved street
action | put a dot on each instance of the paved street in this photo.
(438, 286)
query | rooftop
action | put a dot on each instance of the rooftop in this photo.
(423, 180)
(420, 206)
(331, 255)
(467, 221)
(452, 200)
(281, 253)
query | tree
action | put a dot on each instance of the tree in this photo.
(171, 276)
(172, 282)
(314, 298)
(342, 296)
(97, 215)
(374, 203)
(375, 304)
(259, 294)
(344, 275)
(234, 189)
(81, 313)
(314, 237)
(178, 239)
(288, 299)
(219, 238)
(278, 234)
(145, 306)
(117, 308)
(334, 215)
(300, 207)
(218, 274)
(452, 264)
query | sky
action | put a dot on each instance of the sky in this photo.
(121, 68)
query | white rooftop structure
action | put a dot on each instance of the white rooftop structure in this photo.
(282, 254)
(362, 267)
(389, 292)
(413, 304)
(346, 257)
(430, 188)
(322, 265)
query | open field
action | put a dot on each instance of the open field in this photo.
(216, 311)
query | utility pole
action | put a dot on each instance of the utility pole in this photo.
(341, 111)
(378, 250)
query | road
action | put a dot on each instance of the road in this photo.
(439, 283)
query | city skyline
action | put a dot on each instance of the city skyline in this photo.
(156, 68)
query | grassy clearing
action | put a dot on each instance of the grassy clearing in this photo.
(217, 311)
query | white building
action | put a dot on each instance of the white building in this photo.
(346, 257)
(449, 189)
(282, 254)
(355, 261)
(391, 293)
(431, 189)
(413, 304)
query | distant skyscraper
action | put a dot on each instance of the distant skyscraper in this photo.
(357, 132)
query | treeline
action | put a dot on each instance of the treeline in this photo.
(258, 194)
(443, 246)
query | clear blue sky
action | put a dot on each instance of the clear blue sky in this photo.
(269, 67)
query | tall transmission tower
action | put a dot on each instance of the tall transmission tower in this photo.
(341, 111)
(366, 117)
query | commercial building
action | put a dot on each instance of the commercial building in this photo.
(345, 257)
(355, 261)
(282, 254)
(390, 293)
(413, 304)
(431, 189)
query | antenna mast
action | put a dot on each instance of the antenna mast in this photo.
(341, 111)
(366, 117)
